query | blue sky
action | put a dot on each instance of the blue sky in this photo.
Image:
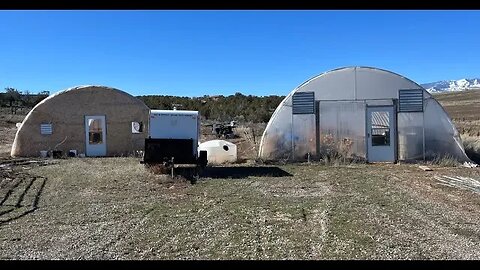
(196, 53)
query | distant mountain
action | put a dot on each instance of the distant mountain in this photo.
(452, 85)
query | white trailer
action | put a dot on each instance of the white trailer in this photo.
(175, 124)
(173, 138)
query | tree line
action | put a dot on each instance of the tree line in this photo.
(238, 107)
(15, 99)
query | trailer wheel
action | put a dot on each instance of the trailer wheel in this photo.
(196, 174)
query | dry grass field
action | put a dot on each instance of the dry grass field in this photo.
(114, 208)
(8, 130)
(464, 110)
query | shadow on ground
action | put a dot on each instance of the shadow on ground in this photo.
(243, 172)
(474, 156)
(19, 195)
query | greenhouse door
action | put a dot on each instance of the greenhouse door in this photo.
(95, 135)
(381, 134)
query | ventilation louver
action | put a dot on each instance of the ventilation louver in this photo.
(410, 100)
(303, 103)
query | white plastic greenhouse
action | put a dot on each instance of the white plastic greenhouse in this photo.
(360, 112)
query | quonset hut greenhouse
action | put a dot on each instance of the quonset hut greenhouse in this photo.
(91, 120)
(364, 113)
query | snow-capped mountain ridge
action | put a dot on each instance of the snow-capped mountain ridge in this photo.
(452, 85)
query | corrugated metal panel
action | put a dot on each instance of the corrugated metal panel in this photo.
(46, 129)
(410, 100)
(303, 103)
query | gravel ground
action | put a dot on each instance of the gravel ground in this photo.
(112, 208)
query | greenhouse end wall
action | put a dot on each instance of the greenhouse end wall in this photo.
(339, 122)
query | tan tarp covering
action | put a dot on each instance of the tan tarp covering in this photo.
(66, 112)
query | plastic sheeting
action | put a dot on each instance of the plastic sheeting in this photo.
(342, 96)
(441, 136)
(276, 142)
(342, 128)
(304, 135)
(410, 135)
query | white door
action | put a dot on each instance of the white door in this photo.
(381, 132)
(95, 136)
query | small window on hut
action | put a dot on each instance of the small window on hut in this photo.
(137, 127)
(46, 129)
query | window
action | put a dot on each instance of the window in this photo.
(380, 130)
(137, 127)
(95, 132)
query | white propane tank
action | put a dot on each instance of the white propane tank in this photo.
(219, 151)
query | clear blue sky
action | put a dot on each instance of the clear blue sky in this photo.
(196, 53)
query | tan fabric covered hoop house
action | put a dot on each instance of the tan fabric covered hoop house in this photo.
(92, 120)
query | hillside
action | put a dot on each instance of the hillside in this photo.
(464, 109)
